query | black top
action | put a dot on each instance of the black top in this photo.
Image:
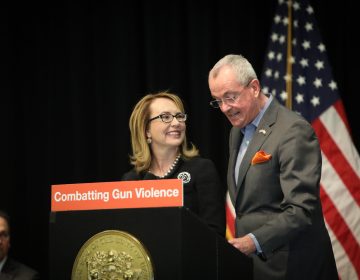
(203, 191)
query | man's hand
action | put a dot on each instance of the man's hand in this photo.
(244, 244)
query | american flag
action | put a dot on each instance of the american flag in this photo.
(297, 72)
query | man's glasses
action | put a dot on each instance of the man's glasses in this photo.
(167, 117)
(228, 100)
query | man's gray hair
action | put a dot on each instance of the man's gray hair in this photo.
(244, 71)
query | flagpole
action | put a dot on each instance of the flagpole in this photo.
(288, 58)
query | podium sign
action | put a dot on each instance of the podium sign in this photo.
(135, 230)
(117, 195)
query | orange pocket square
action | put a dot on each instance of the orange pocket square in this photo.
(260, 157)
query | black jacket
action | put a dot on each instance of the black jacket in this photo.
(14, 270)
(204, 194)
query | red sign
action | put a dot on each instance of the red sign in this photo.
(122, 194)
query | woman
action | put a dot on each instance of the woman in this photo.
(160, 151)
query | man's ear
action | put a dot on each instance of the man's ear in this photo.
(255, 85)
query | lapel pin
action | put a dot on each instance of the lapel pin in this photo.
(263, 131)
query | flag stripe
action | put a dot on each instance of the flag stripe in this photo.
(230, 218)
(339, 107)
(341, 198)
(337, 160)
(332, 120)
(345, 268)
(340, 229)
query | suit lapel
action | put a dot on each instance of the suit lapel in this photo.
(8, 270)
(257, 141)
(254, 146)
(234, 144)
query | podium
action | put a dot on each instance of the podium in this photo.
(180, 245)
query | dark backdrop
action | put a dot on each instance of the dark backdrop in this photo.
(72, 72)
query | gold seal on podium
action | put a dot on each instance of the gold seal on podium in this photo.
(112, 254)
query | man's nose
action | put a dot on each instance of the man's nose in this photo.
(224, 107)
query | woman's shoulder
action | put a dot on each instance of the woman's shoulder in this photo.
(199, 161)
(130, 175)
(201, 168)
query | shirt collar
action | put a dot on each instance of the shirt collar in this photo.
(258, 118)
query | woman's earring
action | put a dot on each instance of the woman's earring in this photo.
(148, 140)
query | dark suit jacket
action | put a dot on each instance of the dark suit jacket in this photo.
(203, 194)
(14, 270)
(278, 200)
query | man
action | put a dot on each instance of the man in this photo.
(273, 178)
(9, 268)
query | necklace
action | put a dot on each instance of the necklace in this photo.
(170, 169)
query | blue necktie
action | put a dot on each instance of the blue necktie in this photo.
(249, 132)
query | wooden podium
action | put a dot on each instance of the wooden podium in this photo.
(180, 245)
